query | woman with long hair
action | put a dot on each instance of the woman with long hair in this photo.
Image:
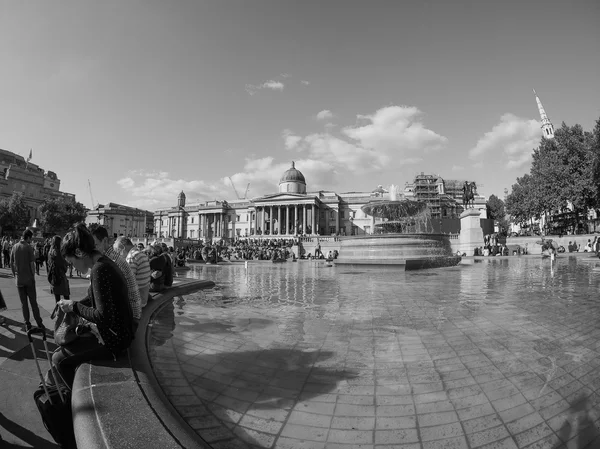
(106, 307)
(57, 271)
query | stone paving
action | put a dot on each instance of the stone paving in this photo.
(501, 354)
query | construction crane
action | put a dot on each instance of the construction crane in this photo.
(236, 192)
(91, 195)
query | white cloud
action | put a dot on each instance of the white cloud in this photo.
(156, 189)
(514, 137)
(290, 139)
(457, 168)
(304, 82)
(324, 114)
(285, 75)
(388, 139)
(126, 183)
(252, 89)
(273, 85)
(395, 129)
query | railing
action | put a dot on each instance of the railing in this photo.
(313, 239)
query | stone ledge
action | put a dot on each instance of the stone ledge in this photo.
(120, 404)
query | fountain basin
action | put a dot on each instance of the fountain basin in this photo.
(412, 251)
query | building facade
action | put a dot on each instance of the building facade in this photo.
(295, 212)
(21, 175)
(122, 220)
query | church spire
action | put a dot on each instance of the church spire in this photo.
(547, 128)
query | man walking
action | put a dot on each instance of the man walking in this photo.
(22, 262)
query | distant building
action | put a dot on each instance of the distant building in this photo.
(443, 196)
(122, 220)
(37, 185)
(293, 211)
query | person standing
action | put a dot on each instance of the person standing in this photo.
(6, 252)
(22, 263)
(57, 271)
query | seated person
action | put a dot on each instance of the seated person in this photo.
(157, 266)
(106, 307)
(571, 247)
(486, 251)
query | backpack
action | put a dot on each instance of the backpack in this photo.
(53, 278)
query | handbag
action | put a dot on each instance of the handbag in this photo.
(64, 326)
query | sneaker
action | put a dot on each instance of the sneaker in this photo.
(28, 327)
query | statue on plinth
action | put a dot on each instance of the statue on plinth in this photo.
(469, 192)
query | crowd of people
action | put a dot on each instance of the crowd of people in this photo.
(122, 276)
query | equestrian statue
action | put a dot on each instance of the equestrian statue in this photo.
(469, 192)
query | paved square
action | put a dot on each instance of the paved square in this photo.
(501, 354)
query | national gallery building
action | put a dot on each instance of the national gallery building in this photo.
(291, 212)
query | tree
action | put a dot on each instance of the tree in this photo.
(497, 212)
(520, 204)
(57, 215)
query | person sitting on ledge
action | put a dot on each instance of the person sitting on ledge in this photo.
(104, 245)
(106, 307)
(139, 264)
(157, 266)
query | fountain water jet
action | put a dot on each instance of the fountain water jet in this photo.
(404, 237)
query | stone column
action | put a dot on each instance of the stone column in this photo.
(255, 219)
(313, 209)
(337, 221)
(373, 224)
(471, 234)
(271, 208)
(304, 218)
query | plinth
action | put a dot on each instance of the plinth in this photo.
(471, 234)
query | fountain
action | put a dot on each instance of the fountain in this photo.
(404, 237)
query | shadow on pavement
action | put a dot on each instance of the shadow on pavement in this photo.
(23, 434)
(18, 348)
(580, 426)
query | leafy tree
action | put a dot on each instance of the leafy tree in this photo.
(520, 204)
(496, 211)
(59, 214)
(564, 170)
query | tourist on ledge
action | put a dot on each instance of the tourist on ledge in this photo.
(106, 307)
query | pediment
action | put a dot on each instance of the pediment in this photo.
(283, 197)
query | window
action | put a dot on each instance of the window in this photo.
(191, 233)
(237, 218)
(341, 214)
(332, 215)
(332, 230)
(192, 220)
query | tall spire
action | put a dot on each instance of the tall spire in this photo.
(547, 128)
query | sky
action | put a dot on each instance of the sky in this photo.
(148, 98)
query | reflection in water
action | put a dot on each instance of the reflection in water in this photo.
(270, 341)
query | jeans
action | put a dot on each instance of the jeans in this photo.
(67, 358)
(28, 291)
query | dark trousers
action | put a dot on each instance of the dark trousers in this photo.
(6, 255)
(25, 292)
(67, 358)
(57, 297)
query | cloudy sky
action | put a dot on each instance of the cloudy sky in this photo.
(148, 98)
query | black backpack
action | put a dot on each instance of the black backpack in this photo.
(53, 279)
